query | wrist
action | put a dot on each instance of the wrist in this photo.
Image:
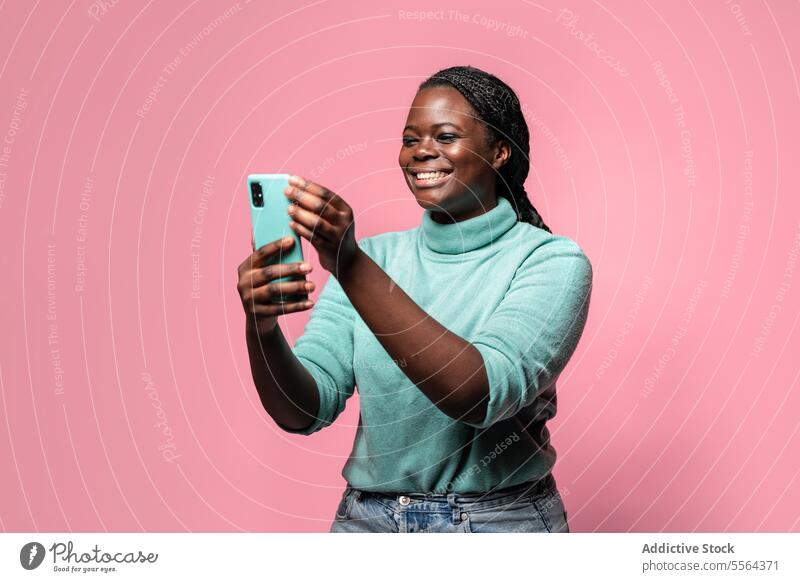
(261, 329)
(348, 268)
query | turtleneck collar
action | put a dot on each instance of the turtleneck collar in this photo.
(472, 233)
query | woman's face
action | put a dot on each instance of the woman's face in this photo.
(445, 157)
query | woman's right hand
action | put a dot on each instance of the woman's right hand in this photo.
(258, 291)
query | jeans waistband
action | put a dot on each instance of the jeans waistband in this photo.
(537, 487)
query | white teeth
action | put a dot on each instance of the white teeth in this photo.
(431, 175)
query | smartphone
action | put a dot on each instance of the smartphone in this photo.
(268, 206)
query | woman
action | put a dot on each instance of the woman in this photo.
(455, 331)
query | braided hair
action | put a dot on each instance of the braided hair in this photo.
(497, 106)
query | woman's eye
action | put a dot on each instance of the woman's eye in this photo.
(447, 137)
(409, 140)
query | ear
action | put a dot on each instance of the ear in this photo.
(501, 152)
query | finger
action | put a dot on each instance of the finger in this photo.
(312, 202)
(281, 291)
(262, 255)
(304, 185)
(313, 222)
(307, 234)
(273, 309)
(264, 275)
(309, 186)
(252, 241)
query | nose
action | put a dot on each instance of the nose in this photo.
(424, 150)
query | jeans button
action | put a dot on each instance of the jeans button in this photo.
(404, 500)
(464, 516)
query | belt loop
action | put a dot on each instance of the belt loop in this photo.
(455, 509)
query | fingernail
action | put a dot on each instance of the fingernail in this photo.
(286, 239)
(305, 267)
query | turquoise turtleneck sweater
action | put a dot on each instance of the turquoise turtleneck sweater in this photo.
(519, 294)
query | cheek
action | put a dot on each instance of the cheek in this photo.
(405, 157)
(465, 158)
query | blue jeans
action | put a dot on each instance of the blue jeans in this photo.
(534, 507)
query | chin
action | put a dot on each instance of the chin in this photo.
(430, 198)
(426, 203)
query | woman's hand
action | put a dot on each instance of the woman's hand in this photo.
(259, 293)
(326, 221)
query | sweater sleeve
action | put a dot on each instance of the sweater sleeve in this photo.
(531, 335)
(326, 350)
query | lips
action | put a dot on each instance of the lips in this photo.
(428, 177)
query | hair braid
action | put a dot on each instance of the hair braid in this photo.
(498, 107)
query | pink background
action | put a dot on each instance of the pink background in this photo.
(679, 410)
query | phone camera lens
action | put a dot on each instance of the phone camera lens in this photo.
(257, 193)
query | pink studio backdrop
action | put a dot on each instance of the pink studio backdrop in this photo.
(664, 140)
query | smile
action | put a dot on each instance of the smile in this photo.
(430, 178)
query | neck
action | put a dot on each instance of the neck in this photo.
(461, 236)
(450, 217)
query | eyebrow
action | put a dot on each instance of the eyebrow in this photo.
(414, 127)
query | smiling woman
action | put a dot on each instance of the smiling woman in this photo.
(455, 438)
(446, 152)
(477, 124)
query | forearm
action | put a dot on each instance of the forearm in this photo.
(287, 391)
(446, 368)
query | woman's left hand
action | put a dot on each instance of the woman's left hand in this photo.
(326, 221)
